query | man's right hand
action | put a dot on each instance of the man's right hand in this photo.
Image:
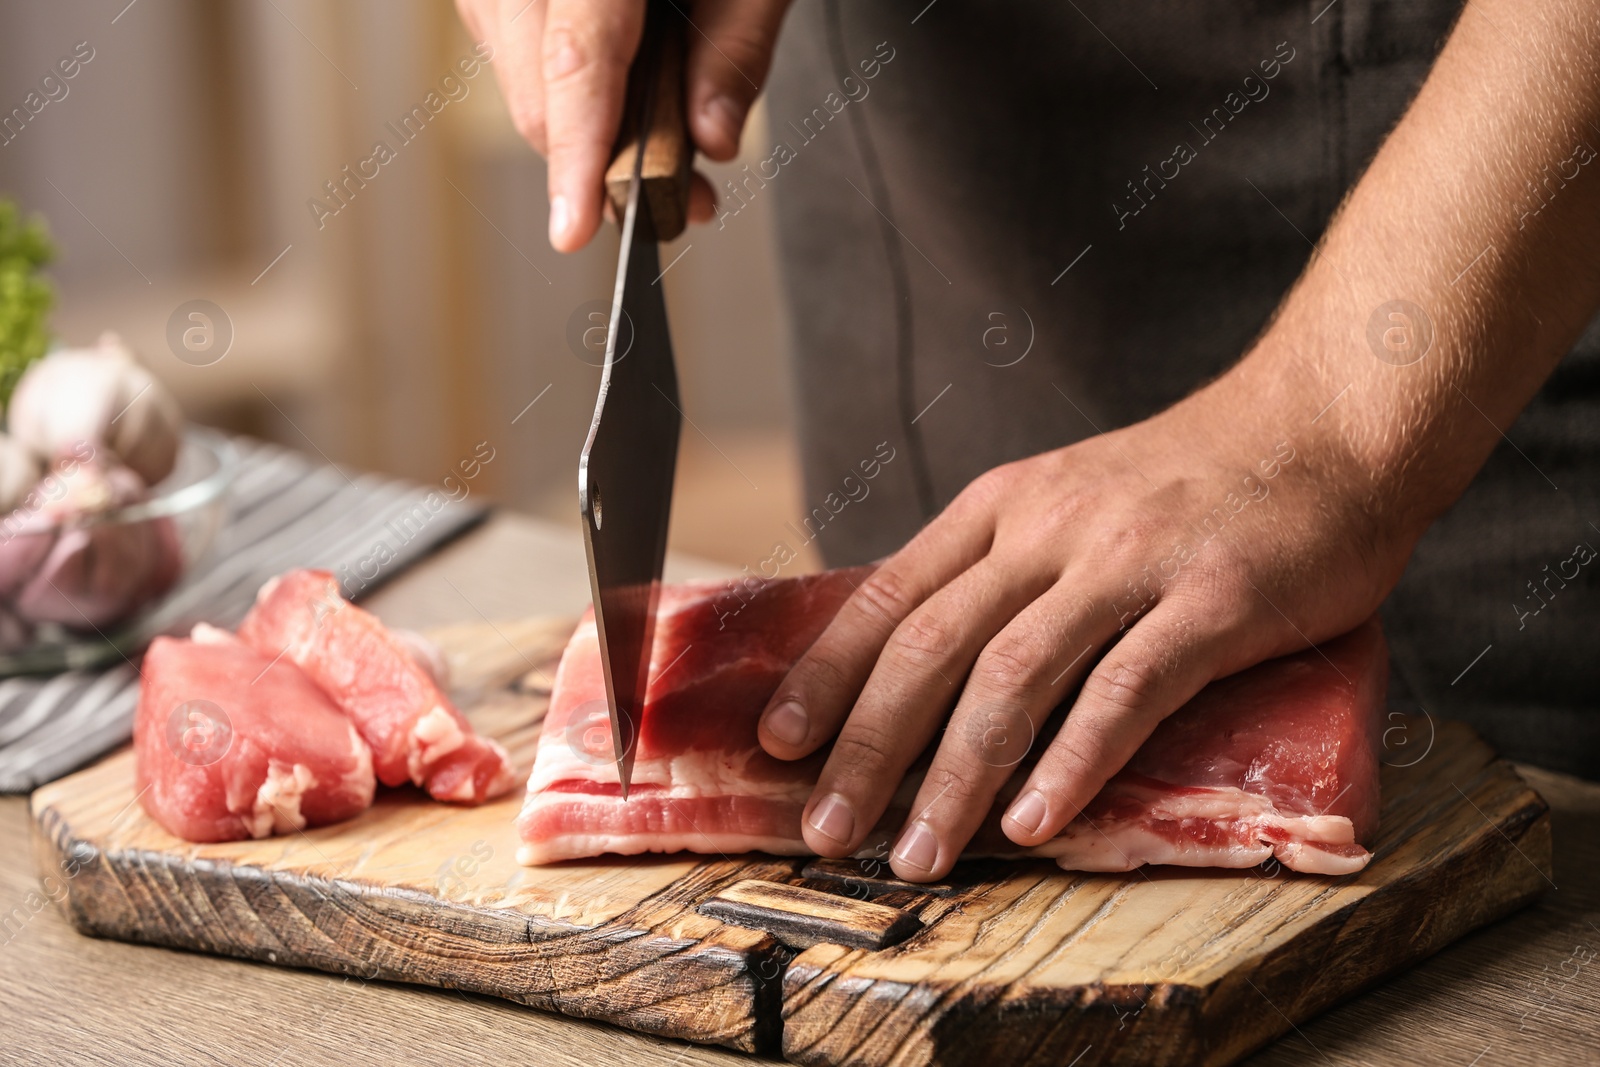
(563, 69)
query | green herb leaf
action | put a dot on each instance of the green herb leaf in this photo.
(26, 296)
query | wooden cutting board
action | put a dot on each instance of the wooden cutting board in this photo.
(819, 962)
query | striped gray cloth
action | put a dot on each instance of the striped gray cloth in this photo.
(286, 510)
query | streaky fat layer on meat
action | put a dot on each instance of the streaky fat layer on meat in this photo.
(701, 782)
(1279, 761)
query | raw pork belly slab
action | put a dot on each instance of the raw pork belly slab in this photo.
(1276, 761)
(230, 745)
(416, 734)
(701, 781)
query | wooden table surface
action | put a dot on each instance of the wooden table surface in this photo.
(1524, 991)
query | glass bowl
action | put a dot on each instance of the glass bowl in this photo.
(75, 593)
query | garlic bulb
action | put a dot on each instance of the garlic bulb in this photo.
(19, 471)
(100, 396)
(98, 576)
(77, 488)
(86, 577)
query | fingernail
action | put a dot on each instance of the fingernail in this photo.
(833, 819)
(787, 722)
(560, 219)
(1028, 811)
(918, 847)
(726, 113)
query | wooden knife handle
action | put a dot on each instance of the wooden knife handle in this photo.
(654, 123)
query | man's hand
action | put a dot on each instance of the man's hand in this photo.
(1273, 509)
(563, 69)
(1137, 565)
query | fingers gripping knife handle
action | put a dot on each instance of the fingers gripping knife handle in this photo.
(654, 126)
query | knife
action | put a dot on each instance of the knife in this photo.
(626, 470)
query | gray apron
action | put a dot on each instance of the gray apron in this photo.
(993, 247)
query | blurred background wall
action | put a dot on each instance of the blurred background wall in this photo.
(428, 312)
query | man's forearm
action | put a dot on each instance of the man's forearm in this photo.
(1481, 211)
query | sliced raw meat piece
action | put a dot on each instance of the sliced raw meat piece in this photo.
(416, 734)
(701, 782)
(1279, 760)
(230, 745)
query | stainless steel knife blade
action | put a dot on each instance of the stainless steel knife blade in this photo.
(625, 474)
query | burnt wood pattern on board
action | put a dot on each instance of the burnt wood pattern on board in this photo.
(1005, 962)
